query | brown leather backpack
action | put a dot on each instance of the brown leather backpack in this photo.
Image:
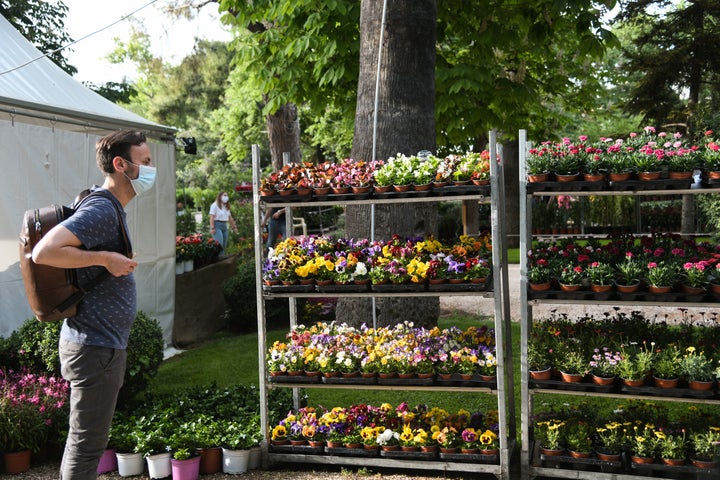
(53, 293)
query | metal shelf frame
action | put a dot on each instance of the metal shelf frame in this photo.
(504, 390)
(530, 465)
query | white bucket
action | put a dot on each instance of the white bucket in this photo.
(130, 464)
(235, 461)
(159, 465)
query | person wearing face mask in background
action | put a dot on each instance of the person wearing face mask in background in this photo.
(93, 343)
(220, 216)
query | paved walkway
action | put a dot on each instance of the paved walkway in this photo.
(486, 307)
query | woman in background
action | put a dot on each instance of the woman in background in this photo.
(220, 216)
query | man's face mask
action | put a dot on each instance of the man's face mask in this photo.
(145, 179)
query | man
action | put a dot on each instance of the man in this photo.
(93, 343)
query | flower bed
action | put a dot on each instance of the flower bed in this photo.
(347, 261)
(363, 430)
(337, 348)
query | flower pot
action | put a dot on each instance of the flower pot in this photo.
(314, 373)
(422, 187)
(665, 382)
(538, 177)
(179, 267)
(571, 377)
(569, 288)
(286, 192)
(130, 464)
(541, 374)
(210, 460)
(461, 182)
(390, 448)
(673, 462)
(386, 375)
(628, 288)
(540, 287)
(567, 178)
(298, 443)
(304, 191)
(658, 290)
(492, 451)
(406, 375)
(647, 176)
(409, 448)
(334, 444)
(633, 383)
(185, 469)
(700, 385)
(402, 188)
(480, 183)
(371, 447)
(254, 458)
(159, 465)
(553, 452)
(600, 288)
(692, 290)
(361, 190)
(620, 177)
(383, 188)
(16, 462)
(680, 175)
(575, 454)
(235, 461)
(598, 380)
(188, 266)
(429, 448)
(608, 457)
(641, 460)
(322, 190)
(350, 374)
(353, 445)
(340, 190)
(469, 451)
(593, 177)
(715, 288)
(704, 463)
(449, 450)
(714, 174)
(108, 461)
(280, 441)
(488, 378)
(267, 192)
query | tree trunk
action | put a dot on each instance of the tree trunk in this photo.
(284, 134)
(405, 124)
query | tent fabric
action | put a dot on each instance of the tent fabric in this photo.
(49, 124)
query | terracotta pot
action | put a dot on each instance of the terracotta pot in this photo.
(551, 451)
(304, 191)
(538, 177)
(600, 288)
(425, 375)
(715, 288)
(541, 374)
(456, 281)
(298, 443)
(627, 288)
(296, 373)
(666, 382)
(593, 177)
(390, 448)
(353, 445)
(287, 191)
(571, 377)
(316, 443)
(429, 448)
(383, 188)
(658, 290)
(267, 193)
(323, 283)
(647, 176)
(331, 374)
(620, 177)
(466, 376)
(17, 462)
(540, 287)
(334, 444)
(279, 442)
(461, 182)
(469, 451)
(575, 454)
(402, 188)
(386, 375)
(569, 288)
(449, 450)
(322, 190)
(714, 175)
(692, 290)
(368, 374)
(488, 378)
(603, 380)
(567, 178)
(477, 281)
(371, 447)
(340, 190)
(350, 374)
(493, 451)
(313, 373)
(210, 460)
(608, 457)
(360, 190)
(437, 281)
(409, 448)
(699, 385)
(704, 463)
(633, 383)
(422, 188)
(480, 183)
(641, 460)
(439, 184)
(673, 462)
(406, 375)
(680, 175)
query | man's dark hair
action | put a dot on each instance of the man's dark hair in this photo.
(116, 144)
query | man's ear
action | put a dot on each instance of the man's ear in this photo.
(119, 164)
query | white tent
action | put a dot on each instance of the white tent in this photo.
(49, 124)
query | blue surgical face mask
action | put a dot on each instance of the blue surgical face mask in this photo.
(145, 179)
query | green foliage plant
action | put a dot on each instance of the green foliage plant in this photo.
(705, 445)
(629, 270)
(601, 273)
(666, 363)
(636, 362)
(144, 355)
(696, 366)
(578, 436)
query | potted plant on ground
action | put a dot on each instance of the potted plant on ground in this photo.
(185, 461)
(237, 438)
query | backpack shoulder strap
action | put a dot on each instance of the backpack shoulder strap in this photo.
(87, 193)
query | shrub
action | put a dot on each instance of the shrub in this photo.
(36, 347)
(144, 355)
